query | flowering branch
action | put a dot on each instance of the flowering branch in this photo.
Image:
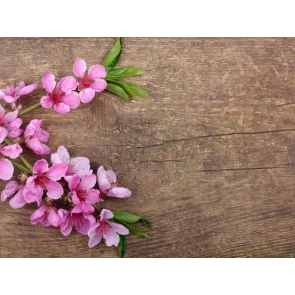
(67, 192)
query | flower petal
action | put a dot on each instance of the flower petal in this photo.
(68, 83)
(10, 116)
(46, 102)
(62, 108)
(72, 99)
(53, 218)
(119, 228)
(99, 85)
(95, 236)
(38, 215)
(92, 196)
(12, 151)
(2, 94)
(86, 95)
(57, 171)
(73, 183)
(28, 89)
(106, 214)
(96, 72)
(10, 99)
(119, 192)
(41, 166)
(54, 189)
(18, 200)
(48, 81)
(79, 67)
(88, 181)
(35, 145)
(9, 190)
(3, 134)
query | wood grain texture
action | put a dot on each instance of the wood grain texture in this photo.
(209, 155)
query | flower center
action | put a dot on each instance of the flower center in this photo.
(56, 96)
(41, 180)
(85, 82)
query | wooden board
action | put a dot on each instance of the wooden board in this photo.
(209, 155)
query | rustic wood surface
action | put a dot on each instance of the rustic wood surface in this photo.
(209, 155)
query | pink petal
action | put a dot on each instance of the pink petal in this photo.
(72, 99)
(28, 89)
(32, 127)
(83, 224)
(95, 236)
(3, 134)
(6, 169)
(54, 189)
(119, 228)
(32, 191)
(75, 199)
(66, 227)
(10, 99)
(88, 182)
(111, 176)
(10, 116)
(41, 166)
(63, 214)
(53, 218)
(35, 145)
(99, 85)
(111, 237)
(37, 214)
(13, 128)
(68, 83)
(119, 192)
(57, 171)
(86, 95)
(96, 72)
(83, 208)
(102, 180)
(9, 190)
(92, 196)
(46, 102)
(73, 183)
(63, 154)
(12, 151)
(48, 81)
(18, 200)
(106, 214)
(79, 166)
(62, 108)
(46, 149)
(79, 67)
(2, 94)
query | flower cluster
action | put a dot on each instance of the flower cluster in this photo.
(67, 192)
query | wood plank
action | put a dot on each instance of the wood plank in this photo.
(209, 155)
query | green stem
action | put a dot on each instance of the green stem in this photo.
(28, 109)
(19, 166)
(27, 164)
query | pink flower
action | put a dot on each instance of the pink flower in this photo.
(35, 136)
(11, 94)
(82, 193)
(15, 189)
(106, 230)
(44, 178)
(90, 82)
(107, 184)
(12, 151)
(10, 122)
(76, 166)
(61, 96)
(46, 215)
(81, 222)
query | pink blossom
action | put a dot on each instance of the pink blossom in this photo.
(34, 137)
(11, 94)
(46, 215)
(10, 122)
(76, 166)
(44, 178)
(107, 184)
(90, 82)
(106, 230)
(82, 193)
(12, 151)
(80, 221)
(61, 96)
(14, 189)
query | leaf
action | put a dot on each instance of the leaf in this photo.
(130, 88)
(126, 216)
(122, 246)
(146, 223)
(113, 56)
(118, 90)
(125, 72)
(133, 229)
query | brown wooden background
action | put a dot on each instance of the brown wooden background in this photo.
(209, 155)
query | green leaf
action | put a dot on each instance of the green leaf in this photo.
(146, 223)
(130, 88)
(118, 90)
(113, 56)
(125, 72)
(126, 216)
(133, 229)
(122, 246)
